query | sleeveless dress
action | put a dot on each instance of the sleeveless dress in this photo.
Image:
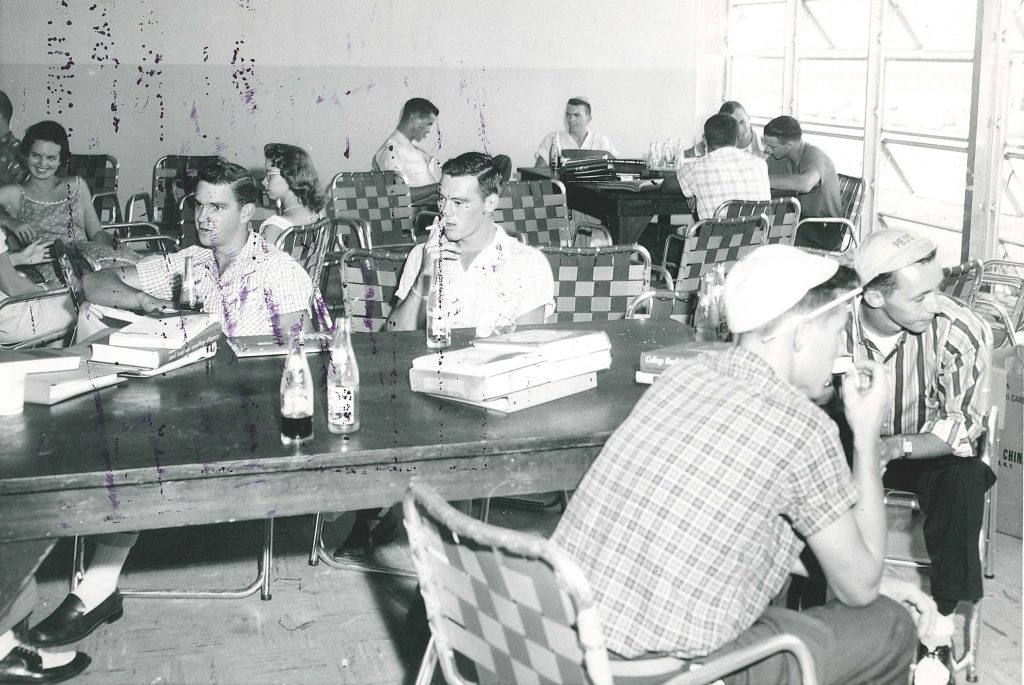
(64, 219)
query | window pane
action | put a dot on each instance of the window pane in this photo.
(930, 25)
(839, 24)
(847, 154)
(928, 97)
(831, 91)
(757, 83)
(1015, 117)
(1011, 219)
(757, 28)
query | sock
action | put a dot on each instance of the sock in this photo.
(101, 577)
(55, 659)
(7, 643)
(942, 632)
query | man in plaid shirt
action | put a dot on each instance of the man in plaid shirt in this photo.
(724, 173)
(692, 517)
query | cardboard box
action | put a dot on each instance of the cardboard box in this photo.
(1010, 444)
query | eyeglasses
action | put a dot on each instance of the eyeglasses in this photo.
(796, 321)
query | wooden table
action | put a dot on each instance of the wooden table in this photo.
(625, 214)
(201, 445)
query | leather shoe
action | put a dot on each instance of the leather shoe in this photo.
(70, 622)
(24, 665)
(363, 539)
(935, 667)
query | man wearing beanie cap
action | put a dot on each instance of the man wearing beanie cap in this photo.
(938, 354)
(577, 134)
(692, 517)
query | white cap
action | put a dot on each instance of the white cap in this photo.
(769, 282)
(889, 250)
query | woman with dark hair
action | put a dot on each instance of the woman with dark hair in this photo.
(49, 205)
(291, 180)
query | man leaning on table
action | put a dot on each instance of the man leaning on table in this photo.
(804, 170)
(250, 286)
(723, 173)
(695, 512)
(938, 354)
(746, 140)
(577, 134)
(403, 151)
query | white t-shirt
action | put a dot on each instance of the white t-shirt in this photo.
(400, 154)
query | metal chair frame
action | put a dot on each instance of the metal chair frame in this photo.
(308, 245)
(986, 545)
(47, 338)
(725, 240)
(453, 553)
(659, 303)
(961, 281)
(607, 284)
(782, 214)
(101, 174)
(171, 184)
(851, 198)
(536, 212)
(378, 203)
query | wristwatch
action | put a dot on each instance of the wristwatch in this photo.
(908, 448)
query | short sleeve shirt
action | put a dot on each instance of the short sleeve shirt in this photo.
(260, 286)
(823, 200)
(506, 277)
(687, 523)
(12, 166)
(398, 153)
(727, 173)
(592, 141)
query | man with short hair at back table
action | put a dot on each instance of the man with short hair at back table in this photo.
(487, 274)
(724, 173)
(251, 287)
(690, 520)
(403, 151)
(938, 353)
(577, 134)
(12, 166)
(805, 171)
(746, 140)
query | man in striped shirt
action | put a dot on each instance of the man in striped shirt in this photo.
(938, 355)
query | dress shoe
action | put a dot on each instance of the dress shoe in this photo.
(363, 539)
(935, 667)
(24, 665)
(70, 622)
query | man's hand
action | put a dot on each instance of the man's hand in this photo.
(438, 247)
(36, 252)
(154, 305)
(890, 448)
(24, 232)
(922, 607)
(865, 407)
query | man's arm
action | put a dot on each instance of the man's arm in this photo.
(532, 316)
(670, 185)
(800, 183)
(424, 194)
(410, 314)
(120, 287)
(11, 283)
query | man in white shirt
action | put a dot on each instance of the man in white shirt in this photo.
(403, 151)
(577, 134)
(724, 173)
(746, 140)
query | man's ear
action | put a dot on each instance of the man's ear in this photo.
(873, 298)
(491, 202)
(246, 212)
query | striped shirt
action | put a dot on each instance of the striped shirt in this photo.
(259, 286)
(687, 523)
(940, 378)
(12, 166)
(727, 173)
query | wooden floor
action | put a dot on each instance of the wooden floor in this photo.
(330, 626)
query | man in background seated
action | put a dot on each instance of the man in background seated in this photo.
(577, 134)
(938, 353)
(695, 512)
(746, 140)
(724, 173)
(804, 170)
(21, 661)
(251, 287)
(486, 274)
(12, 166)
(403, 151)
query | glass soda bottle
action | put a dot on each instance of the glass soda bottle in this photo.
(343, 382)
(188, 300)
(296, 396)
(439, 330)
(719, 301)
(705, 319)
(555, 154)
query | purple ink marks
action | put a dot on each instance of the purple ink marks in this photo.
(194, 116)
(437, 129)
(247, 5)
(105, 457)
(58, 78)
(206, 54)
(115, 120)
(219, 146)
(348, 148)
(149, 74)
(243, 75)
(94, 143)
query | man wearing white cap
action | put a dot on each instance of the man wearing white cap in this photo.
(577, 134)
(692, 517)
(938, 354)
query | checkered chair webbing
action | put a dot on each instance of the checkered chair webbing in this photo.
(711, 242)
(378, 202)
(783, 214)
(308, 246)
(535, 212)
(100, 173)
(597, 283)
(961, 282)
(174, 178)
(1003, 281)
(851, 197)
(369, 279)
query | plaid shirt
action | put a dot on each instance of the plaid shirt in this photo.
(259, 286)
(727, 173)
(686, 524)
(940, 378)
(12, 166)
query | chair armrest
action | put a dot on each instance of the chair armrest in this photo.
(97, 203)
(591, 229)
(664, 252)
(357, 227)
(901, 499)
(849, 234)
(665, 276)
(714, 669)
(129, 206)
(32, 297)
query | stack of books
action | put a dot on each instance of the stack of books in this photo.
(54, 375)
(150, 346)
(511, 372)
(587, 170)
(654, 362)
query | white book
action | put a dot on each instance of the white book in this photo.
(531, 397)
(162, 333)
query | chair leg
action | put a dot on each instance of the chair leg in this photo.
(349, 563)
(989, 532)
(318, 527)
(261, 582)
(970, 657)
(427, 666)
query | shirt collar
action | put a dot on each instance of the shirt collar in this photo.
(247, 257)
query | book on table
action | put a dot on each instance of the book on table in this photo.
(39, 360)
(163, 333)
(532, 396)
(637, 186)
(269, 346)
(654, 362)
(57, 386)
(153, 357)
(553, 343)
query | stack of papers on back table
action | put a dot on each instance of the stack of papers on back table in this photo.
(511, 372)
(160, 344)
